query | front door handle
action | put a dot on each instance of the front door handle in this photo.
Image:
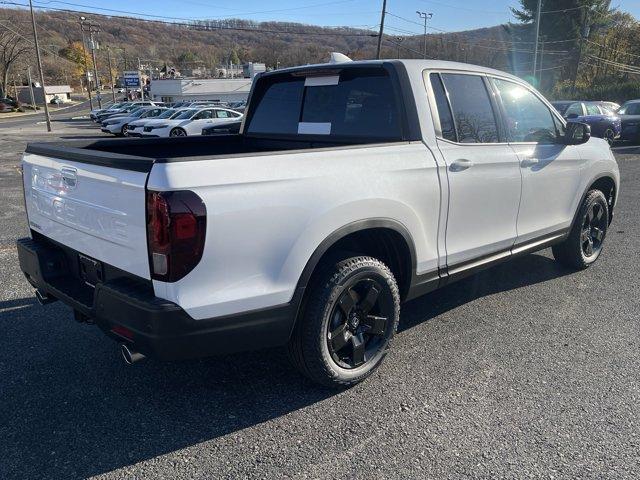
(460, 165)
(529, 162)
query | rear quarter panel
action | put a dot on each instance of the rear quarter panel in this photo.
(267, 213)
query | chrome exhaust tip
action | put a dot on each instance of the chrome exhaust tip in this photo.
(130, 355)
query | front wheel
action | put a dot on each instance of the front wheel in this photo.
(609, 135)
(348, 322)
(585, 241)
(177, 132)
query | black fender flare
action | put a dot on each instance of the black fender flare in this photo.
(357, 226)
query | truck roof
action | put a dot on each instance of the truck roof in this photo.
(413, 66)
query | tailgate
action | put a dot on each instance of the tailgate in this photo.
(95, 209)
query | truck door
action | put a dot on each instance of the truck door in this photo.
(550, 170)
(483, 172)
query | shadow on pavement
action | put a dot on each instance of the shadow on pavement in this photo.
(71, 408)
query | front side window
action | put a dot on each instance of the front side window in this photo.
(527, 118)
(472, 111)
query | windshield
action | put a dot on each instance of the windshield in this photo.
(139, 112)
(168, 113)
(186, 114)
(561, 106)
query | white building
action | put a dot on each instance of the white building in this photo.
(63, 92)
(214, 89)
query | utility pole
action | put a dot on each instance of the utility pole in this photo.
(384, 11)
(84, 58)
(93, 28)
(33, 98)
(44, 92)
(140, 81)
(584, 33)
(535, 44)
(113, 91)
(426, 16)
(541, 61)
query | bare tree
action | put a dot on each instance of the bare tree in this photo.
(12, 48)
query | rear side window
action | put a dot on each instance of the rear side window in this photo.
(444, 112)
(472, 111)
(355, 103)
(592, 109)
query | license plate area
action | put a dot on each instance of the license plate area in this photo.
(91, 270)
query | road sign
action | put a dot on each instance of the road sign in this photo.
(131, 79)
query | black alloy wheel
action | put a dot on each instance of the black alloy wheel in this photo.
(350, 314)
(358, 324)
(593, 230)
(583, 245)
(609, 135)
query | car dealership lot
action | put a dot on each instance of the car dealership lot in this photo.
(527, 369)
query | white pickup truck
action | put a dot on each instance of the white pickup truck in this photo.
(351, 188)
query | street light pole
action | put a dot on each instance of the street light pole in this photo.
(44, 92)
(426, 16)
(399, 42)
(84, 58)
(384, 10)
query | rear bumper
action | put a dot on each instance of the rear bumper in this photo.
(156, 327)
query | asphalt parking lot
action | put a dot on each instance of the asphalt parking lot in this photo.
(525, 370)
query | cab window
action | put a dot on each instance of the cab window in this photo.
(527, 118)
(473, 114)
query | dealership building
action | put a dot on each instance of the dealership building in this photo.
(213, 89)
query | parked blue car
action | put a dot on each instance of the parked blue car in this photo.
(630, 116)
(603, 122)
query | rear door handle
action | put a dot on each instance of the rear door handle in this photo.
(460, 165)
(529, 162)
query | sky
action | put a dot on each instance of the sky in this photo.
(448, 15)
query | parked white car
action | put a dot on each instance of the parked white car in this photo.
(190, 122)
(350, 188)
(119, 125)
(134, 129)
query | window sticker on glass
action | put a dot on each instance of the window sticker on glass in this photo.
(321, 81)
(314, 128)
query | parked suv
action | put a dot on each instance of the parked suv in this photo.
(352, 187)
(603, 122)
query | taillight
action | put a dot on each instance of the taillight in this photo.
(176, 226)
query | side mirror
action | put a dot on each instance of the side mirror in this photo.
(572, 116)
(577, 133)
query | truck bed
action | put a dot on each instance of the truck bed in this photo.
(139, 154)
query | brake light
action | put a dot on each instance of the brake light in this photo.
(176, 226)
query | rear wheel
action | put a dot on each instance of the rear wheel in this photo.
(585, 241)
(123, 131)
(177, 132)
(348, 322)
